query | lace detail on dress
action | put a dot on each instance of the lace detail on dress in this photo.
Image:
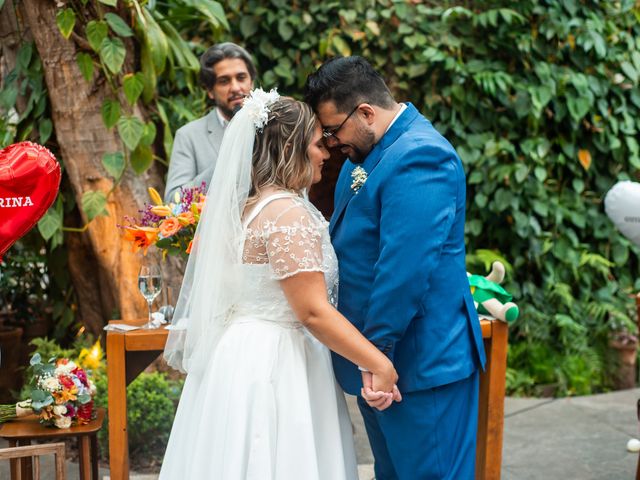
(291, 236)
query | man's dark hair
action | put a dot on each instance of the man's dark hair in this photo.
(347, 81)
(218, 52)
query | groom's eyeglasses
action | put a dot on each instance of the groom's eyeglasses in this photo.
(329, 133)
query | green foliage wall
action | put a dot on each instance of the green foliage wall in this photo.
(541, 100)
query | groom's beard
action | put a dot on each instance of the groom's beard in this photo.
(359, 149)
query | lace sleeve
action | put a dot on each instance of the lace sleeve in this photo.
(293, 239)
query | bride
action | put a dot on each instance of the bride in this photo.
(256, 315)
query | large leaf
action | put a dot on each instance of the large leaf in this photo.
(94, 204)
(141, 159)
(133, 85)
(111, 3)
(96, 32)
(130, 129)
(148, 74)
(114, 164)
(50, 223)
(112, 53)
(66, 20)
(110, 112)
(118, 25)
(155, 40)
(149, 134)
(85, 64)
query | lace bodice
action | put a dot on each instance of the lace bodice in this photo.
(284, 235)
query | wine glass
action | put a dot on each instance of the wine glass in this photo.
(150, 285)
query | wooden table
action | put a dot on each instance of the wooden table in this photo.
(23, 430)
(131, 352)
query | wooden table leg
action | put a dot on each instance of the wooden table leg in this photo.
(94, 457)
(118, 438)
(84, 447)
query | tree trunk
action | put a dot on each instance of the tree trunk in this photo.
(83, 139)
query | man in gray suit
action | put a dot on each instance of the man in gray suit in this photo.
(227, 73)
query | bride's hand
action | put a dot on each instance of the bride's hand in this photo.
(378, 399)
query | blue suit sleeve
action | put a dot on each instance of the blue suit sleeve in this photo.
(418, 206)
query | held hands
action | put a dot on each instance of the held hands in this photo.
(378, 391)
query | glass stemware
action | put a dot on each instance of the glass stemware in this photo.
(150, 285)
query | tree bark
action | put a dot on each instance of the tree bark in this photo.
(83, 140)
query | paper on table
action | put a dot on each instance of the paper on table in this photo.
(122, 327)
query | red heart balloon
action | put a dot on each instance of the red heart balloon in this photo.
(29, 182)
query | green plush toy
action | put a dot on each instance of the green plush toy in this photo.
(490, 298)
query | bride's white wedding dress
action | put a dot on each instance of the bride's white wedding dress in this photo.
(267, 407)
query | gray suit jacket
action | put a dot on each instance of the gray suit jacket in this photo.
(194, 155)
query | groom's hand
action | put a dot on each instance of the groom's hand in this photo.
(378, 399)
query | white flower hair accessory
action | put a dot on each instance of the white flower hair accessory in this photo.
(257, 106)
(359, 176)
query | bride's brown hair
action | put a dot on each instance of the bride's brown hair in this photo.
(280, 150)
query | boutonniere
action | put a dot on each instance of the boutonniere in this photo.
(359, 176)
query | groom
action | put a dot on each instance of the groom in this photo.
(398, 231)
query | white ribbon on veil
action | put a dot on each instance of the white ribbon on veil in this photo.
(213, 277)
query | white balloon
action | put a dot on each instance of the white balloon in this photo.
(622, 205)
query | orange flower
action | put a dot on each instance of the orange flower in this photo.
(142, 237)
(186, 218)
(189, 247)
(63, 396)
(169, 227)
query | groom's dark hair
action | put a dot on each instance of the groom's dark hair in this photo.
(347, 81)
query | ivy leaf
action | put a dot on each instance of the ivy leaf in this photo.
(66, 20)
(85, 64)
(112, 53)
(114, 164)
(149, 134)
(50, 223)
(341, 46)
(141, 159)
(629, 71)
(111, 3)
(285, 30)
(24, 55)
(96, 32)
(133, 85)
(110, 112)
(248, 26)
(584, 157)
(94, 203)
(130, 130)
(118, 25)
(45, 127)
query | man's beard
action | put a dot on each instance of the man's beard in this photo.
(360, 152)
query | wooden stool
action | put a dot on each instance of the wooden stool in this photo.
(22, 431)
(35, 451)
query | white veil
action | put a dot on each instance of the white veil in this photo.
(213, 277)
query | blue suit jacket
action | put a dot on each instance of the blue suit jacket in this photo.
(400, 246)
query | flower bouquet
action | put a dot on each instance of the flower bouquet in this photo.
(61, 395)
(169, 227)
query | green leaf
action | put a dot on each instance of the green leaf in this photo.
(133, 85)
(248, 26)
(96, 32)
(285, 30)
(94, 204)
(130, 130)
(84, 398)
(110, 112)
(118, 25)
(24, 56)
(111, 3)
(629, 71)
(45, 128)
(112, 53)
(149, 134)
(66, 20)
(50, 223)
(85, 64)
(35, 360)
(341, 46)
(141, 159)
(114, 164)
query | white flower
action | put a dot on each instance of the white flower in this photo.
(92, 388)
(63, 422)
(65, 369)
(257, 106)
(50, 384)
(59, 410)
(359, 176)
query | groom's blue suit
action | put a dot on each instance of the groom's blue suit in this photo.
(403, 284)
